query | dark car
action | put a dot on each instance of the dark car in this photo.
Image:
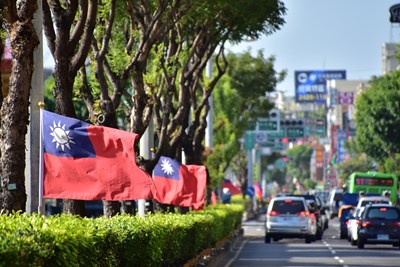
(379, 224)
(322, 211)
(316, 210)
(344, 216)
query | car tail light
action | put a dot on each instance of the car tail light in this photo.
(366, 224)
(312, 215)
(396, 224)
(358, 222)
(273, 213)
(304, 213)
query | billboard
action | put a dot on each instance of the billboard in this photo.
(310, 86)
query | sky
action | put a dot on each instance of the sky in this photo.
(329, 35)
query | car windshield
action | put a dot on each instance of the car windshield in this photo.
(288, 206)
(386, 213)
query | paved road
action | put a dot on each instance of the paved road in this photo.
(250, 250)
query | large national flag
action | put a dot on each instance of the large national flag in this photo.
(178, 184)
(227, 183)
(86, 162)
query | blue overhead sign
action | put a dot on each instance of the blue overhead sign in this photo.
(310, 86)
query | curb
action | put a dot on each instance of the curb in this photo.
(215, 256)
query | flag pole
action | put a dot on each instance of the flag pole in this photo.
(41, 209)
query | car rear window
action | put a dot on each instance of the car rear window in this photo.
(365, 202)
(387, 213)
(288, 206)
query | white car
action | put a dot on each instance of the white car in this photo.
(289, 217)
(352, 225)
(363, 201)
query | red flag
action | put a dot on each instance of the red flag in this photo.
(178, 184)
(232, 188)
(258, 190)
(86, 162)
(199, 178)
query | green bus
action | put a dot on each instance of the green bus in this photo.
(373, 183)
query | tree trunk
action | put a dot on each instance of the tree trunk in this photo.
(15, 107)
(128, 207)
(111, 208)
(64, 106)
(75, 207)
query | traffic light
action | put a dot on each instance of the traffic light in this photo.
(294, 128)
(292, 123)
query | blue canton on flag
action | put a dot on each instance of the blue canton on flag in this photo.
(66, 137)
(167, 168)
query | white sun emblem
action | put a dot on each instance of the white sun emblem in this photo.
(166, 167)
(60, 136)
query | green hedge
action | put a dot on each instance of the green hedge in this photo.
(123, 240)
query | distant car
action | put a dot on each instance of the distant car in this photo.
(363, 201)
(352, 225)
(322, 194)
(335, 200)
(344, 215)
(323, 215)
(289, 217)
(379, 224)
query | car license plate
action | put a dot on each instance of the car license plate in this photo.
(383, 237)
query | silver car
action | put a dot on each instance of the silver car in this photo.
(289, 217)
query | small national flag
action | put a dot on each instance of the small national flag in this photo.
(258, 191)
(86, 162)
(178, 184)
(227, 183)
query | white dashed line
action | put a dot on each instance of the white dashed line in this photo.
(338, 259)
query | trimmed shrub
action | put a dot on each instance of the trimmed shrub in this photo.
(124, 240)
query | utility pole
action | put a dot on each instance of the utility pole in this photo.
(32, 183)
(146, 143)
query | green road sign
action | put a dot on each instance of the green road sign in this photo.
(278, 147)
(277, 134)
(267, 125)
(320, 131)
(249, 140)
(295, 132)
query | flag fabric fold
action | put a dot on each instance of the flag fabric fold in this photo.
(86, 162)
(178, 184)
(227, 183)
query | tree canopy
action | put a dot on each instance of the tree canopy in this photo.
(377, 117)
(148, 55)
(240, 96)
(298, 165)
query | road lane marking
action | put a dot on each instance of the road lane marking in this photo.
(237, 254)
(337, 258)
